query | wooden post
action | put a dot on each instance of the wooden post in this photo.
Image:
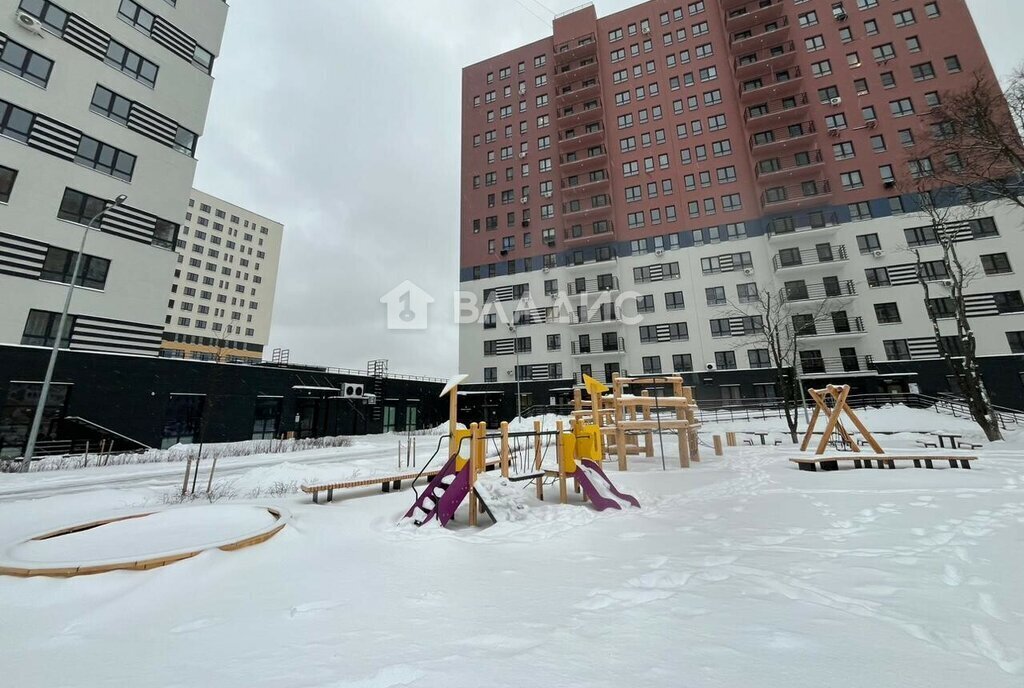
(730, 439)
(188, 469)
(691, 417)
(399, 456)
(563, 494)
(453, 420)
(504, 448)
(474, 451)
(717, 439)
(538, 459)
(86, 463)
(620, 417)
(648, 435)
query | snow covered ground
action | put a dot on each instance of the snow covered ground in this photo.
(739, 571)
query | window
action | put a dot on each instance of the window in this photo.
(674, 300)
(105, 158)
(758, 358)
(41, 329)
(59, 265)
(852, 180)
(651, 365)
(901, 107)
(7, 178)
(554, 342)
(1016, 342)
(843, 151)
(814, 43)
(931, 10)
(112, 106)
(15, 123)
(859, 211)
(923, 71)
(725, 360)
(884, 52)
(877, 277)
(952, 64)
(747, 292)
(131, 63)
(645, 303)
(887, 313)
(79, 208)
(716, 297)
(868, 243)
(820, 69)
(20, 61)
(996, 264)
(808, 19)
(1008, 302)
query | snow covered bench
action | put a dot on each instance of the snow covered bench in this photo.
(387, 483)
(831, 463)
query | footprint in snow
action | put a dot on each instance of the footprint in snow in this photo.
(197, 625)
(312, 607)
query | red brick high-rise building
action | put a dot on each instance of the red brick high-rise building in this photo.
(690, 155)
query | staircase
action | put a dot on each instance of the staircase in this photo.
(378, 370)
(442, 497)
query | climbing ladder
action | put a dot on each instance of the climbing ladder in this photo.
(443, 496)
(378, 370)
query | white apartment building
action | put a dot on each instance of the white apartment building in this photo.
(98, 98)
(222, 298)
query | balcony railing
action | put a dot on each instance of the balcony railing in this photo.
(807, 167)
(818, 292)
(584, 233)
(790, 84)
(581, 116)
(762, 39)
(584, 140)
(831, 327)
(566, 165)
(782, 138)
(586, 213)
(795, 195)
(599, 347)
(764, 60)
(576, 73)
(841, 364)
(776, 110)
(595, 318)
(576, 49)
(824, 254)
(593, 286)
(784, 227)
(566, 98)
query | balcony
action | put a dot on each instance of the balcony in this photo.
(777, 110)
(816, 365)
(604, 315)
(807, 167)
(753, 17)
(615, 347)
(576, 49)
(783, 138)
(765, 60)
(832, 327)
(801, 292)
(594, 113)
(578, 234)
(586, 188)
(566, 98)
(794, 196)
(578, 73)
(778, 86)
(568, 166)
(590, 214)
(598, 285)
(595, 262)
(762, 39)
(786, 227)
(583, 140)
(823, 254)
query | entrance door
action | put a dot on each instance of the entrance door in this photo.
(389, 418)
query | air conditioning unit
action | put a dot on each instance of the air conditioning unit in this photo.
(748, 271)
(522, 155)
(833, 132)
(503, 252)
(545, 269)
(710, 366)
(547, 194)
(835, 101)
(871, 123)
(878, 253)
(526, 223)
(645, 30)
(352, 390)
(29, 23)
(522, 90)
(659, 251)
(839, 13)
(889, 183)
(524, 199)
(948, 283)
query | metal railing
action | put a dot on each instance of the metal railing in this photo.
(599, 346)
(815, 292)
(811, 256)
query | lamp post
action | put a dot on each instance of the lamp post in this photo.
(519, 394)
(37, 419)
(799, 378)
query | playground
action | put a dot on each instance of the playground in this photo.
(740, 569)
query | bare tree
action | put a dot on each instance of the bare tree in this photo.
(945, 299)
(975, 140)
(771, 326)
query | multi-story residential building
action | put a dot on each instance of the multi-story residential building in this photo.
(683, 158)
(222, 298)
(98, 99)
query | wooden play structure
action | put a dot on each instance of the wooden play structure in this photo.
(831, 403)
(627, 422)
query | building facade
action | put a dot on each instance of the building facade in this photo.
(98, 98)
(646, 177)
(222, 298)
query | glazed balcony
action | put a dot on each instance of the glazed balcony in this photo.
(766, 60)
(777, 111)
(775, 88)
(576, 49)
(580, 116)
(762, 39)
(580, 72)
(581, 164)
(796, 195)
(754, 17)
(576, 95)
(821, 255)
(782, 139)
(802, 292)
(599, 347)
(807, 168)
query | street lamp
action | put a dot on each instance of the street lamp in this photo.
(519, 394)
(37, 419)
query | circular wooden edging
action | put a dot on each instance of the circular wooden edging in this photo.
(63, 570)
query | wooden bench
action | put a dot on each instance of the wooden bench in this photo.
(831, 463)
(968, 445)
(387, 483)
(927, 445)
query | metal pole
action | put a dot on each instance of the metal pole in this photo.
(519, 394)
(37, 419)
(799, 378)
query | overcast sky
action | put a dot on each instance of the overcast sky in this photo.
(340, 119)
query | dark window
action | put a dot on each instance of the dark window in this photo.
(682, 363)
(877, 277)
(651, 364)
(52, 16)
(20, 61)
(812, 361)
(185, 142)
(136, 15)
(996, 263)
(182, 419)
(887, 313)
(112, 106)
(60, 264)
(759, 358)
(165, 234)
(896, 350)
(17, 412)
(131, 63)
(1016, 341)
(1008, 301)
(41, 329)
(105, 158)
(7, 177)
(79, 207)
(15, 123)
(725, 360)
(266, 419)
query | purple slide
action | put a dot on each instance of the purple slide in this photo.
(442, 497)
(599, 501)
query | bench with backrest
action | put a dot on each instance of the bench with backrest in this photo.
(387, 483)
(831, 463)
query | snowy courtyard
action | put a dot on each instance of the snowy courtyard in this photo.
(738, 571)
